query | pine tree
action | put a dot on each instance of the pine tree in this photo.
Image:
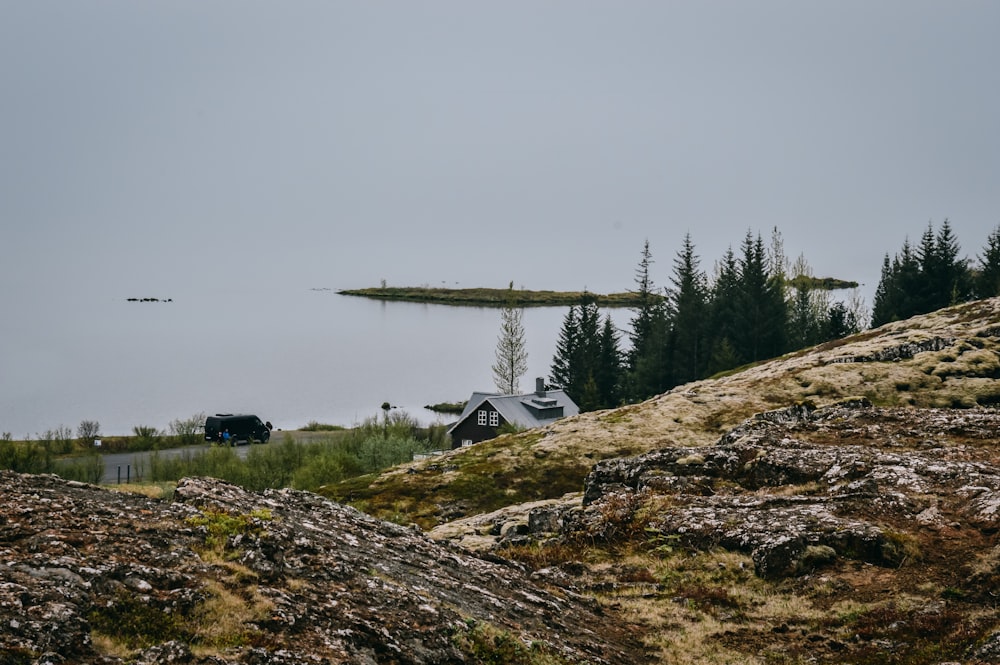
(909, 285)
(608, 374)
(885, 304)
(587, 363)
(688, 300)
(647, 361)
(953, 281)
(511, 355)
(923, 280)
(722, 307)
(564, 362)
(927, 297)
(760, 304)
(988, 274)
(807, 308)
(838, 323)
(584, 388)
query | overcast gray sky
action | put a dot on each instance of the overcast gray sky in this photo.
(145, 146)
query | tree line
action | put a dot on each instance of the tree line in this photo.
(932, 275)
(755, 305)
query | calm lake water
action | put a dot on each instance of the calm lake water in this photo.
(288, 356)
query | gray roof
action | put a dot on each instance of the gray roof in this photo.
(521, 410)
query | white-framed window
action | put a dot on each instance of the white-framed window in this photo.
(481, 417)
(494, 419)
(466, 443)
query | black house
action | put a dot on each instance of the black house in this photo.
(486, 412)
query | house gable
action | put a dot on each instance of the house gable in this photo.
(480, 423)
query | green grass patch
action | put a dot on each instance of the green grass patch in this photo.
(483, 644)
(129, 619)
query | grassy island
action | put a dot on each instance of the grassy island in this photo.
(483, 297)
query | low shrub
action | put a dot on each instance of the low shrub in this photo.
(313, 426)
(24, 457)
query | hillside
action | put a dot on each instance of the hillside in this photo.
(223, 576)
(945, 359)
(837, 505)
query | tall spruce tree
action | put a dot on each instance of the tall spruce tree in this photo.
(511, 353)
(688, 299)
(901, 292)
(584, 390)
(587, 363)
(885, 303)
(723, 313)
(927, 297)
(564, 361)
(760, 304)
(608, 374)
(987, 277)
(952, 282)
(647, 358)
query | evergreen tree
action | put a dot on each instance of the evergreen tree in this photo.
(642, 321)
(511, 354)
(723, 306)
(923, 280)
(565, 360)
(952, 282)
(885, 304)
(689, 305)
(988, 275)
(608, 373)
(647, 359)
(584, 389)
(587, 364)
(807, 308)
(838, 322)
(760, 304)
(927, 297)
(909, 288)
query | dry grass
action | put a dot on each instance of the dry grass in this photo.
(226, 618)
(152, 491)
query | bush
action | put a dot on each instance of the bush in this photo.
(86, 469)
(24, 456)
(313, 426)
(87, 431)
(58, 441)
(145, 438)
(188, 430)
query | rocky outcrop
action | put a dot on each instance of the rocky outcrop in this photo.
(220, 575)
(797, 487)
(900, 351)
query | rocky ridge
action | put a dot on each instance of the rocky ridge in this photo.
(220, 575)
(882, 508)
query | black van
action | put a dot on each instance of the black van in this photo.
(230, 428)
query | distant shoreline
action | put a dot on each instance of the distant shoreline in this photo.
(484, 297)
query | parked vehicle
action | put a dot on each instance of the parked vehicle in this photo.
(234, 428)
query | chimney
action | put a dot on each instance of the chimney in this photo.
(540, 387)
